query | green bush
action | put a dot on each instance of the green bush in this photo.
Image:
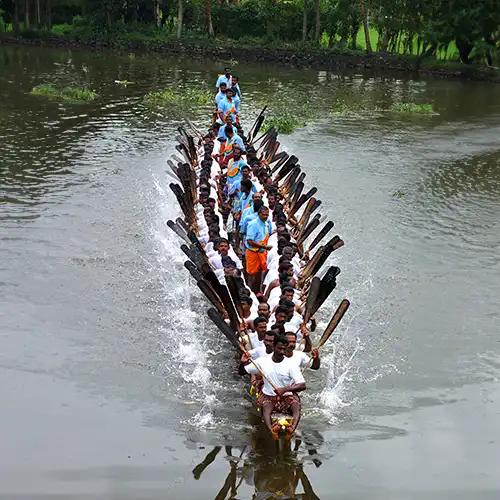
(284, 123)
(69, 94)
(185, 98)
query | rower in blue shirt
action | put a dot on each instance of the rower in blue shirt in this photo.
(221, 95)
(228, 106)
(226, 78)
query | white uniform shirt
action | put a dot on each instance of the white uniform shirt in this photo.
(300, 358)
(280, 374)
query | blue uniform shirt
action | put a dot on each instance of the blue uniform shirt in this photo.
(226, 107)
(259, 232)
(224, 79)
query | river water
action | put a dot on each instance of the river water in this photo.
(115, 385)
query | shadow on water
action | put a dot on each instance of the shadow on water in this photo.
(263, 469)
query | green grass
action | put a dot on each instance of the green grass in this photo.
(186, 98)
(412, 108)
(69, 94)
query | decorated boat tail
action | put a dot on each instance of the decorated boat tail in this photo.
(222, 177)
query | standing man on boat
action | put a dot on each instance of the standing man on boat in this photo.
(228, 106)
(257, 238)
(220, 95)
(225, 78)
(283, 380)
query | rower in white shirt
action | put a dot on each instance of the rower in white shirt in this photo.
(301, 358)
(225, 256)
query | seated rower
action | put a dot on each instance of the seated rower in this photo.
(300, 357)
(266, 347)
(287, 380)
(256, 338)
(225, 256)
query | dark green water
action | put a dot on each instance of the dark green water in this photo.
(115, 385)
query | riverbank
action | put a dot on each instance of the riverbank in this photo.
(328, 59)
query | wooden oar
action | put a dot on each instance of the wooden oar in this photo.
(209, 293)
(302, 200)
(230, 335)
(337, 316)
(178, 231)
(324, 231)
(329, 248)
(252, 132)
(193, 270)
(307, 230)
(328, 284)
(282, 156)
(311, 298)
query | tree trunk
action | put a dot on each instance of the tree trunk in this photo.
(27, 14)
(317, 28)
(157, 16)
(366, 28)
(208, 17)
(464, 49)
(49, 15)
(304, 22)
(180, 16)
(38, 16)
(16, 17)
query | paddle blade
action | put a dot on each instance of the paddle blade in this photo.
(193, 270)
(311, 298)
(337, 316)
(223, 327)
(328, 284)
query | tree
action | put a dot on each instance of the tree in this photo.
(317, 27)
(366, 28)
(208, 17)
(180, 16)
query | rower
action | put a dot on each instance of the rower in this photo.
(300, 357)
(225, 78)
(285, 376)
(265, 348)
(225, 256)
(236, 86)
(257, 337)
(221, 95)
(233, 140)
(256, 244)
(234, 171)
(229, 105)
(264, 310)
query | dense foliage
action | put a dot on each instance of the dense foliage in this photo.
(464, 29)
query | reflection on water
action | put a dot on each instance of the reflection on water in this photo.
(103, 316)
(263, 469)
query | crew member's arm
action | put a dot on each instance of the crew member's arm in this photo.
(291, 388)
(307, 339)
(316, 362)
(299, 383)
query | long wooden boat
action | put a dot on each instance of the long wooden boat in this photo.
(194, 161)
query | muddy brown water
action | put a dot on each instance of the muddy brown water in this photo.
(115, 385)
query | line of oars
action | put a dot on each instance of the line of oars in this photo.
(226, 300)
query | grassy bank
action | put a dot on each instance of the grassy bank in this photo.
(297, 54)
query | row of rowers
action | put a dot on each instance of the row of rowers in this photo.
(244, 233)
